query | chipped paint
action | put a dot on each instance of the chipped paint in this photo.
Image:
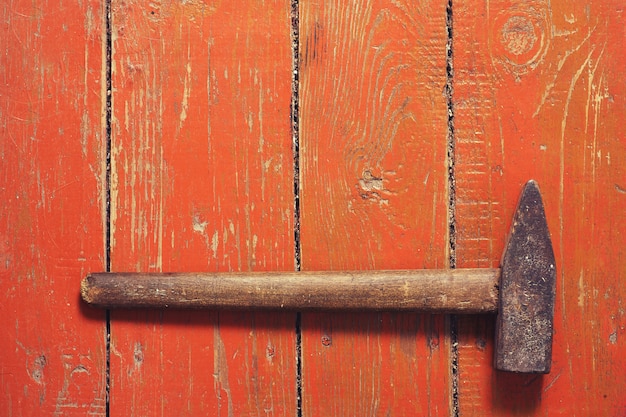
(220, 372)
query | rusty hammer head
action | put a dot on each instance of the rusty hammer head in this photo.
(527, 291)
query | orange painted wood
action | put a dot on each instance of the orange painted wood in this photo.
(373, 196)
(539, 93)
(202, 181)
(52, 351)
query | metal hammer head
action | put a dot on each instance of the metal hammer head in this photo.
(527, 291)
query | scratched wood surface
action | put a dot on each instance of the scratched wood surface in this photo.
(52, 353)
(202, 180)
(539, 93)
(202, 176)
(373, 196)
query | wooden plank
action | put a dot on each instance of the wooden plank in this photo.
(538, 93)
(373, 196)
(52, 351)
(202, 181)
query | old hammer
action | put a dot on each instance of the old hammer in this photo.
(521, 291)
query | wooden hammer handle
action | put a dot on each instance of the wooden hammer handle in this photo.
(438, 291)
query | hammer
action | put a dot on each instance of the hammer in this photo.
(521, 291)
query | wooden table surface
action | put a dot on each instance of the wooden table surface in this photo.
(305, 135)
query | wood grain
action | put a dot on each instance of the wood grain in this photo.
(538, 93)
(373, 196)
(52, 353)
(437, 291)
(202, 181)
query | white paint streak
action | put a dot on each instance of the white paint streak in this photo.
(215, 243)
(570, 92)
(220, 372)
(581, 290)
(184, 107)
(560, 64)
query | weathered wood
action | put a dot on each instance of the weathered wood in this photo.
(202, 180)
(539, 93)
(52, 189)
(437, 291)
(373, 129)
